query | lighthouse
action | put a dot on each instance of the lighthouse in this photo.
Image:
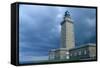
(67, 32)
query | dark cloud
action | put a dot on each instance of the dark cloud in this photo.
(84, 24)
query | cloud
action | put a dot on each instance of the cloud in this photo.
(91, 22)
(84, 24)
(32, 59)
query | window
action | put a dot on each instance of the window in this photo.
(67, 53)
(79, 53)
(71, 54)
(75, 53)
(67, 57)
(85, 52)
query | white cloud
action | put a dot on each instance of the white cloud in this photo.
(59, 16)
(90, 22)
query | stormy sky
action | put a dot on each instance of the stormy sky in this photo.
(39, 29)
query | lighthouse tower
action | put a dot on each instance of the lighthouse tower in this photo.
(67, 32)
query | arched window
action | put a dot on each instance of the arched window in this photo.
(85, 52)
(79, 53)
(67, 57)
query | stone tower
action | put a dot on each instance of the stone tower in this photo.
(67, 32)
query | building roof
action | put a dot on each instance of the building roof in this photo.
(85, 45)
(82, 46)
(63, 49)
